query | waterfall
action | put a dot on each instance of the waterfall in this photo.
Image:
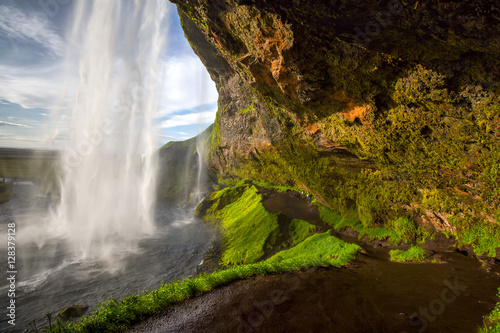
(200, 189)
(109, 163)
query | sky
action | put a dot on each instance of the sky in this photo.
(33, 43)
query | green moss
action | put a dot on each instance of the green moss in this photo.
(247, 228)
(421, 84)
(213, 140)
(491, 322)
(381, 234)
(484, 237)
(277, 188)
(404, 229)
(300, 230)
(246, 110)
(413, 254)
(322, 247)
(337, 221)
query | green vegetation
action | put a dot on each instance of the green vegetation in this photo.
(248, 230)
(246, 110)
(413, 254)
(28, 164)
(405, 230)
(381, 234)
(492, 321)
(484, 237)
(300, 230)
(396, 231)
(277, 188)
(180, 176)
(337, 221)
(41, 167)
(322, 247)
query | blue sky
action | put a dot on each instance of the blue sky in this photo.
(33, 44)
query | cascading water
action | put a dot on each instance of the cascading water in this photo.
(201, 168)
(109, 164)
(105, 238)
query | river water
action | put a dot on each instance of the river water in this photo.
(48, 279)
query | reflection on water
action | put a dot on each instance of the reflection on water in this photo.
(49, 279)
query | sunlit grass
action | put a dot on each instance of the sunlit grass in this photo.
(413, 254)
(247, 228)
(322, 247)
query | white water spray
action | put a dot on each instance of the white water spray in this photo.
(109, 164)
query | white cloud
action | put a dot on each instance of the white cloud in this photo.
(166, 138)
(189, 119)
(36, 27)
(187, 86)
(6, 123)
(29, 87)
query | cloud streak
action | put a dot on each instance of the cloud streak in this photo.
(18, 25)
(6, 123)
(198, 118)
(29, 87)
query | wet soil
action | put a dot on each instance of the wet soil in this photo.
(371, 295)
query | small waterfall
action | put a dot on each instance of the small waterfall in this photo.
(201, 152)
(110, 161)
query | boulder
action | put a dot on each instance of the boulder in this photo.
(73, 311)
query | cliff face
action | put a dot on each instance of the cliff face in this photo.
(380, 108)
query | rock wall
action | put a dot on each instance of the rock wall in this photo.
(380, 108)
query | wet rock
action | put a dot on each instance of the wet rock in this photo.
(73, 311)
(466, 250)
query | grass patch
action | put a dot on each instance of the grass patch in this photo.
(300, 230)
(248, 230)
(413, 254)
(491, 323)
(337, 221)
(322, 247)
